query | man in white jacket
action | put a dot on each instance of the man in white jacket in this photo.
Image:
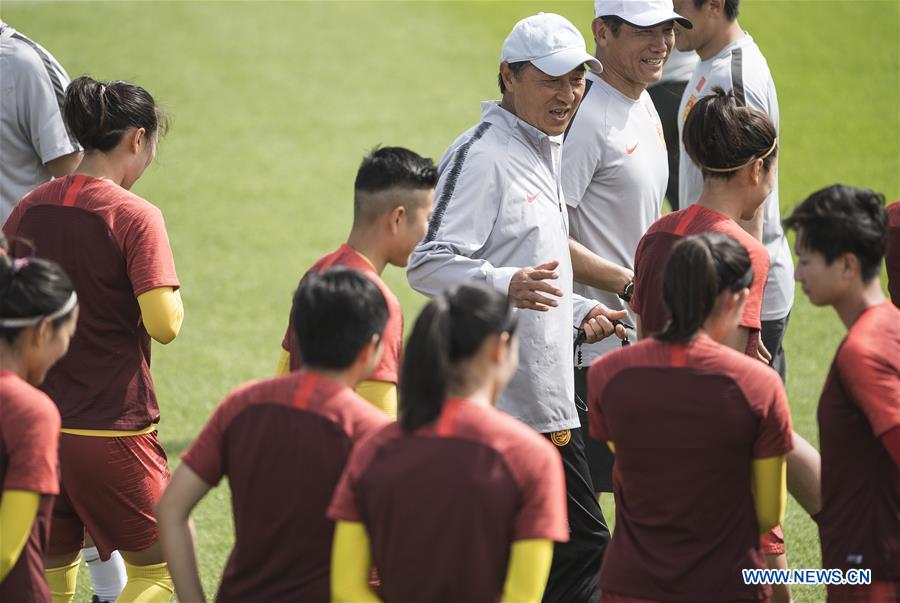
(500, 218)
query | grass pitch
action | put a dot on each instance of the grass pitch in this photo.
(274, 104)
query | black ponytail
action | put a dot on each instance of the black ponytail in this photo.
(98, 114)
(698, 270)
(721, 136)
(31, 288)
(451, 329)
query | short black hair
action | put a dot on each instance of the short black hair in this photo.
(516, 68)
(613, 24)
(336, 312)
(389, 168)
(731, 7)
(394, 167)
(843, 219)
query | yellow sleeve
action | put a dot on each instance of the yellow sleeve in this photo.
(162, 312)
(769, 491)
(18, 508)
(611, 446)
(382, 395)
(284, 363)
(529, 566)
(351, 564)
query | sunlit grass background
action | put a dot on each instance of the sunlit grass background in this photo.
(273, 104)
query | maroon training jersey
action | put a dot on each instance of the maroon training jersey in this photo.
(389, 366)
(283, 444)
(655, 248)
(892, 256)
(687, 422)
(443, 505)
(114, 247)
(859, 524)
(29, 437)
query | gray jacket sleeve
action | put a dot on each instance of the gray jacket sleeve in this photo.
(581, 307)
(468, 200)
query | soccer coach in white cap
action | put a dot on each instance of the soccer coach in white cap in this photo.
(615, 169)
(500, 218)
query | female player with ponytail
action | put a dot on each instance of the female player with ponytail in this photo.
(700, 433)
(737, 149)
(481, 494)
(114, 246)
(38, 313)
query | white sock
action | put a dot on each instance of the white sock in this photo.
(108, 577)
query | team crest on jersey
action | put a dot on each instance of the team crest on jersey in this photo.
(687, 107)
(659, 130)
(561, 438)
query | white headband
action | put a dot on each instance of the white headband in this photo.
(17, 323)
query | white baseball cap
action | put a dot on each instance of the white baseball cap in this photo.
(550, 42)
(640, 13)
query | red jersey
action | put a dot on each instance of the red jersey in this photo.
(114, 247)
(859, 524)
(283, 444)
(443, 505)
(29, 437)
(892, 255)
(392, 341)
(687, 422)
(655, 247)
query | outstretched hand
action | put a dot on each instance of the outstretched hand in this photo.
(528, 287)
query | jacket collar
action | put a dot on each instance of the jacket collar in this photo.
(492, 112)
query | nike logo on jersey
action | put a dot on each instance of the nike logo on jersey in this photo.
(531, 198)
(631, 150)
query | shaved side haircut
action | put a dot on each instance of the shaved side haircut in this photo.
(384, 170)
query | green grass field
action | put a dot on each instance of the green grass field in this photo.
(274, 103)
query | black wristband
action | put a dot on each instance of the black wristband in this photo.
(625, 295)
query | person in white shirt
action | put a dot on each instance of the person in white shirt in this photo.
(666, 95)
(729, 58)
(615, 170)
(500, 219)
(34, 143)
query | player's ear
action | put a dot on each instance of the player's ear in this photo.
(850, 266)
(370, 354)
(755, 174)
(138, 138)
(600, 31)
(716, 7)
(398, 216)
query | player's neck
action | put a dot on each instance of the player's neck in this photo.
(857, 301)
(101, 166)
(10, 361)
(632, 90)
(478, 393)
(719, 197)
(346, 377)
(370, 244)
(728, 35)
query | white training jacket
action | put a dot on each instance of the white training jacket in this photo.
(500, 208)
